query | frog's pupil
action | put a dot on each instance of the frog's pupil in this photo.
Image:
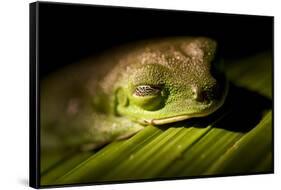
(146, 90)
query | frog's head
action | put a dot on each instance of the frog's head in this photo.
(171, 80)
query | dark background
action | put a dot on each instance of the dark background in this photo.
(71, 32)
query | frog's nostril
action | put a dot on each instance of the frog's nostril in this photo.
(201, 95)
(198, 95)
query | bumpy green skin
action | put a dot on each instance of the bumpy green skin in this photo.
(114, 96)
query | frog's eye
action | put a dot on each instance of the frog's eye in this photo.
(148, 97)
(146, 90)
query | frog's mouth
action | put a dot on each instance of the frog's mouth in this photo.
(181, 117)
(173, 119)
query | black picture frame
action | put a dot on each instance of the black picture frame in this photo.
(59, 30)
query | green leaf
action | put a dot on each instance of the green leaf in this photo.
(235, 140)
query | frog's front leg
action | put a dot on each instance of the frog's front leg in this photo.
(106, 129)
(86, 131)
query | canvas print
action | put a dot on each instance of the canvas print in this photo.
(130, 94)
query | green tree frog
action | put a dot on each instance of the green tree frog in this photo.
(117, 94)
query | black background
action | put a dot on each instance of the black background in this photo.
(71, 32)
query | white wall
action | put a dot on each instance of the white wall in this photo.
(14, 94)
